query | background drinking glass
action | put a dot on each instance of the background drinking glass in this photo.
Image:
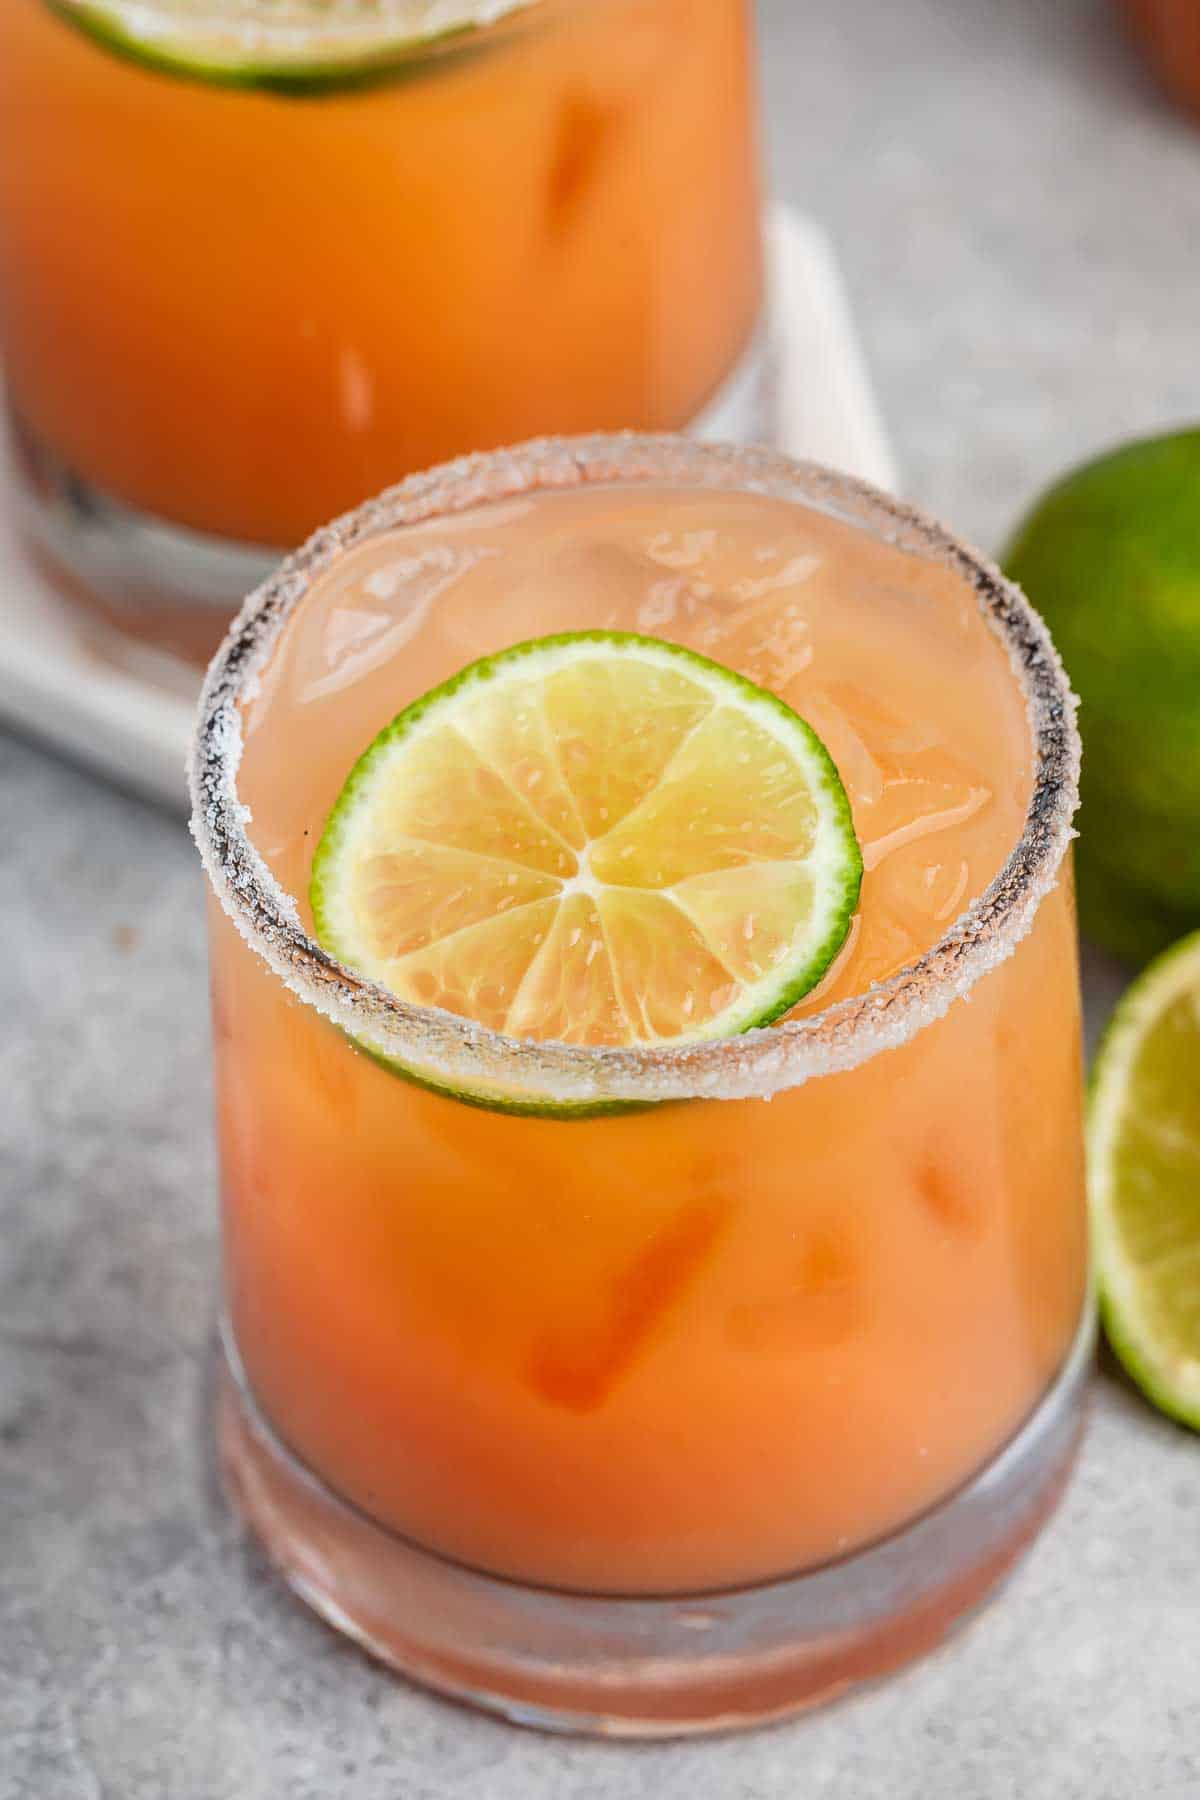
(234, 300)
(1169, 32)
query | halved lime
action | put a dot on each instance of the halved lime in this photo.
(1144, 1180)
(293, 47)
(596, 838)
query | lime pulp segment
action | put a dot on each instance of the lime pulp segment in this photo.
(595, 838)
(1144, 1181)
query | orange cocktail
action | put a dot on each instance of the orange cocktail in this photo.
(808, 1295)
(237, 301)
(1170, 33)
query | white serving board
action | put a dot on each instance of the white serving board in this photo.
(136, 731)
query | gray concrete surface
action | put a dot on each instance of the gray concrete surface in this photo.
(1020, 222)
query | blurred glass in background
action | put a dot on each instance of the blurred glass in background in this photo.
(1169, 32)
(257, 263)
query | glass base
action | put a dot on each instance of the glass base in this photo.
(139, 587)
(144, 588)
(652, 1667)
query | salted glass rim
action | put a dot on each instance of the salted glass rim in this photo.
(450, 1050)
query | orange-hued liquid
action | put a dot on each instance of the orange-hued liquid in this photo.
(1169, 31)
(713, 1341)
(244, 313)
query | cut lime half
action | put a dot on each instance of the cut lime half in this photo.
(1144, 1180)
(594, 838)
(293, 47)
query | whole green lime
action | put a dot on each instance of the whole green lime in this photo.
(1111, 558)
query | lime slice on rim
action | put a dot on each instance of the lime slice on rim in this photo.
(596, 838)
(1144, 1181)
(283, 46)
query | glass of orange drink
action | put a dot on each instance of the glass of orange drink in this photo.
(655, 1249)
(259, 258)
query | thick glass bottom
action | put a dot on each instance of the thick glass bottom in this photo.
(650, 1667)
(145, 588)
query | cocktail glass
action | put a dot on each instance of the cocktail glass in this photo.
(697, 1411)
(1168, 31)
(235, 303)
